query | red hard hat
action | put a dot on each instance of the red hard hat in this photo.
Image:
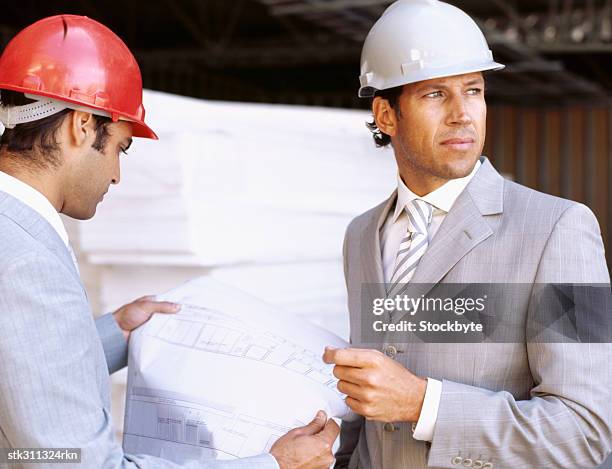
(80, 61)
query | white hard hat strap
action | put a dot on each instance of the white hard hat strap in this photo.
(10, 116)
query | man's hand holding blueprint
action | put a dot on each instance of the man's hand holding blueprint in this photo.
(226, 378)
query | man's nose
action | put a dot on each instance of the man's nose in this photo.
(458, 112)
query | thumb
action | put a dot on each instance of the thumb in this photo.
(330, 432)
(315, 426)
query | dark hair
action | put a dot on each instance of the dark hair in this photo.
(392, 95)
(36, 141)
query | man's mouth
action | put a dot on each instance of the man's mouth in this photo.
(458, 143)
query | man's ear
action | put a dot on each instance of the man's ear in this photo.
(385, 116)
(81, 126)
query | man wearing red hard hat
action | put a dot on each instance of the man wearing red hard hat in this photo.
(71, 101)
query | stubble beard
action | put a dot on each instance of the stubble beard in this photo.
(437, 172)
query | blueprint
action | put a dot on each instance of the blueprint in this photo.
(225, 377)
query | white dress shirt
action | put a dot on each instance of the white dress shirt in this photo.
(391, 234)
(36, 201)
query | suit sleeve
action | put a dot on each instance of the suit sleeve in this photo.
(113, 342)
(52, 391)
(566, 421)
(349, 431)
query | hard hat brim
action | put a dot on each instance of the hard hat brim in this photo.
(142, 130)
(369, 91)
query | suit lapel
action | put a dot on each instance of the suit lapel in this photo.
(37, 227)
(371, 257)
(464, 227)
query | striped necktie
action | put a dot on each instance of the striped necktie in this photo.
(413, 246)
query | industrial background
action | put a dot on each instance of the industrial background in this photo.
(290, 151)
(550, 116)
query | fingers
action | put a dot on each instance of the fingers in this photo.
(357, 406)
(329, 355)
(358, 358)
(315, 426)
(160, 307)
(330, 432)
(149, 305)
(352, 390)
(349, 373)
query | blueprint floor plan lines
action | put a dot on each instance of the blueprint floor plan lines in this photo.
(214, 430)
(215, 332)
(225, 377)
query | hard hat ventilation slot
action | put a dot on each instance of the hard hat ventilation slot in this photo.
(65, 27)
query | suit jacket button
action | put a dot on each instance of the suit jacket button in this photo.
(457, 460)
(390, 351)
(467, 462)
(487, 465)
(477, 464)
(389, 427)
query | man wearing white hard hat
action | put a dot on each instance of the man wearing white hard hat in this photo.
(453, 220)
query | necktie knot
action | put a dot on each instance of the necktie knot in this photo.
(419, 216)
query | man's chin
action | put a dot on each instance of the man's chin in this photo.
(81, 214)
(458, 168)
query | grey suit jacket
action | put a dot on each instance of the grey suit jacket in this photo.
(54, 362)
(503, 405)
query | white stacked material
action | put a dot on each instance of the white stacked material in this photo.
(232, 183)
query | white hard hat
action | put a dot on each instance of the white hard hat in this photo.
(416, 40)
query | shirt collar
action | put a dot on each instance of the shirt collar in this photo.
(35, 200)
(442, 198)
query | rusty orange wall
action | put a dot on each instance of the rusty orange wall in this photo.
(565, 151)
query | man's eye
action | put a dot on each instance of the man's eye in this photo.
(474, 91)
(435, 94)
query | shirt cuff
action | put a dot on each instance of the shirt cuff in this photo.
(113, 342)
(424, 428)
